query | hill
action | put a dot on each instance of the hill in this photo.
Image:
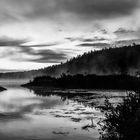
(111, 61)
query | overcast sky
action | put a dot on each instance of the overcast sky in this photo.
(39, 33)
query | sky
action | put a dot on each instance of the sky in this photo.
(38, 33)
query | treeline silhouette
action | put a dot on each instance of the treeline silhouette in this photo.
(80, 81)
(108, 61)
(122, 122)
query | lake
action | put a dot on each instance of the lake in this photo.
(25, 115)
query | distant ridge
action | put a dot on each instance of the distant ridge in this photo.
(111, 61)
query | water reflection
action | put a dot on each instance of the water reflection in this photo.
(16, 103)
(92, 98)
(24, 115)
(42, 115)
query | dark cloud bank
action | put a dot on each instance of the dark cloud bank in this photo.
(88, 9)
(100, 7)
(44, 56)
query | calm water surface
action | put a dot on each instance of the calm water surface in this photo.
(26, 116)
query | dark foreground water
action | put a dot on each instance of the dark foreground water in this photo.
(27, 116)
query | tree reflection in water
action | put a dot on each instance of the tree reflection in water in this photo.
(122, 122)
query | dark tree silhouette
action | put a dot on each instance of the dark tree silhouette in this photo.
(123, 121)
(80, 81)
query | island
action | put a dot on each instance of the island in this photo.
(79, 81)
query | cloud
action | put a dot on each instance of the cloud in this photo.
(10, 42)
(86, 9)
(74, 38)
(40, 45)
(127, 33)
(94, 39)
(15, 49)
(29, 54)
(100, 8)
(121, 32)
(43, 56)
(50, 57)
(5, 41)
(98, 45)
(126, 42)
